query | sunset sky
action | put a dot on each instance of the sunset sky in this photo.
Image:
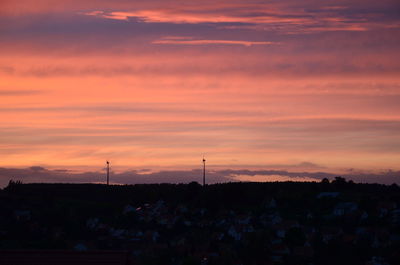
(298, 86)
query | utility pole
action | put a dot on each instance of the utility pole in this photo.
(204, 172)
(108, 173)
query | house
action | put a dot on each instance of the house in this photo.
(384, 208)
(364, 216)
(117, 233)
(22, 215)
(271, 204)
(395, 216)
(128, 209)
(234, 233)
(376, 261)
(281, 233)
(80, 247)
(303, 251)
(280, 249)
(63, 257)
(349, 238)
(243, 219)
(275, 219)
(280, 230)
(344, 208)
(328, 195)
(330, 233)
(92, 223)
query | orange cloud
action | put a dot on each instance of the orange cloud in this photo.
(170, 16)
(191, 41)
(256, 17)
(79, 86)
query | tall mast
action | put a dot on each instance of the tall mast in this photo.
(108, 172)
(204, 172)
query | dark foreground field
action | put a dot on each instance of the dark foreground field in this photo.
(234, 223)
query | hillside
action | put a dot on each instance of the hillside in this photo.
(234, 223)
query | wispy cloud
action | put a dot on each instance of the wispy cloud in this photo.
(43, 175)
(285, 19)
(19, 92)
(192, 41)
(159, 82)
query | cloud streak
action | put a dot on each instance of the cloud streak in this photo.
(191, 41)
(284, 18)
(36, 174)
(157, 83)
(185, 41)
(19, 92)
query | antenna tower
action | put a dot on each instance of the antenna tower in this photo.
(108, 172)
(204, 172)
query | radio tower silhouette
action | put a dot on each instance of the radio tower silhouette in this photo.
(204, 172)
(108, 172)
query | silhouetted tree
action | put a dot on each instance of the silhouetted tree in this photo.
(339, 182)
(13, 183)
(325, 181)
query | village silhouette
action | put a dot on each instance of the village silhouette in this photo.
(325, 222)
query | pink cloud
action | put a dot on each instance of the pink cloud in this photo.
(82, 83)
(191, 41)
(277, 17)
(38, 174)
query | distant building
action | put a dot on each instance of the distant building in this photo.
(328, 195)
(345, 208)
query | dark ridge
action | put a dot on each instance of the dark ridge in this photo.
(338, 222)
